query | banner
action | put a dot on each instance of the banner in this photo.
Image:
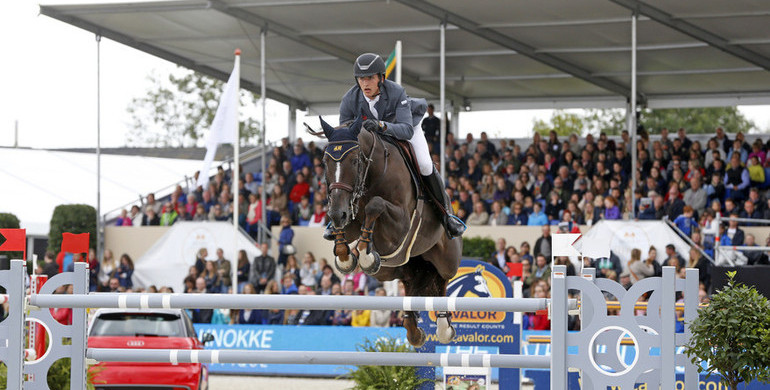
(166, 263)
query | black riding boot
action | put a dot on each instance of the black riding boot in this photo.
(453, 225)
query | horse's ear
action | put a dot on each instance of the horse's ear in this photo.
(355, 127)
(328, 129)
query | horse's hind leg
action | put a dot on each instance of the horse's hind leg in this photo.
(414, 334)
(422, 279)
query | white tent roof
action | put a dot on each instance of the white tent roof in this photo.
(36, 181)
(500, 54)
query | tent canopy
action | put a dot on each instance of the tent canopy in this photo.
(499, 54)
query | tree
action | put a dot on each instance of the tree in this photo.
(732, 335)
(71, 218)
(564, 123)
(696, 120)
(178, 108)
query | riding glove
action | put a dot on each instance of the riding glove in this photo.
(372, 125)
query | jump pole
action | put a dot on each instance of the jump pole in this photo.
(317, 357)
(289, 302)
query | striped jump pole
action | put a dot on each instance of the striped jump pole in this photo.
(290, 302)
(318, 357)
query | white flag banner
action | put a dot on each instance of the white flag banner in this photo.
(623, 236)
(561, 244)
(225, 124)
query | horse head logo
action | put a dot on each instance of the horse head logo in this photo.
(470, 284)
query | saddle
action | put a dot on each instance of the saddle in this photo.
(410, 159)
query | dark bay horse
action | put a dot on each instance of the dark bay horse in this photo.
(373, 204)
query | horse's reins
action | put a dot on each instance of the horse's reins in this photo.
(357, 191)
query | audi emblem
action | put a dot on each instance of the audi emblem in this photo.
(135, 343)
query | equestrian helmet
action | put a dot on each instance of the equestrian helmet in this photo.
(368, 64)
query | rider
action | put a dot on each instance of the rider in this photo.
(387, 109)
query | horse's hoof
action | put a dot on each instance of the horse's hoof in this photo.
(347, 266)
(370, 262)
(420, 339)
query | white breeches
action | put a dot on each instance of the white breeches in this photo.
(421, 151)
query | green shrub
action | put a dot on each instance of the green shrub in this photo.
(385, 377)
(732, 334)
(478, 247)
(71, 218)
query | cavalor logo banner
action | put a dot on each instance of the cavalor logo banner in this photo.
(477, 279)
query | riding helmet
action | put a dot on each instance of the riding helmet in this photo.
(368, 64)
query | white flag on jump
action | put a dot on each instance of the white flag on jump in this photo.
(562, 244)
(225, 125)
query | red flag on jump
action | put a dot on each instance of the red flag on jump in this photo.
(13, 240)
(514, 269)
(75, 243)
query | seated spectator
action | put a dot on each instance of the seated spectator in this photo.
(201, 316)
(554, 206)
(611, 209)
(673, 257)
(300, 189)
(756, 171)
(479, 216)
(733, 235)
(538, 217)
(318, 219)
(749, 212)
(252, 317)
(696, 196)
(243, 270)
(292, 268)
(124, 219)
(213, 279)
(704, 266)
(685, 222)
(287, 284)
(168, 215)
(639, 269)
(273, 316)
(608, 265)
(150, 218)
(308, 270)
(303, 211)
(125, 271)
(736, 179)
(136, 216)
(314, 317)
(517, 215)
(497, 217)
(380, 318)
(285, 238)
(674, 205)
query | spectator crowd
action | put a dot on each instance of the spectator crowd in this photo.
(563, 182)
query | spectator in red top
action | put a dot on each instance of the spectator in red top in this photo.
(302, 188)
(540, 321)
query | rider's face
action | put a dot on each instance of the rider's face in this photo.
(370, 85)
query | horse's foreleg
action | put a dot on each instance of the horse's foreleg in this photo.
(368, 258)
(414, 334)
(345, 261)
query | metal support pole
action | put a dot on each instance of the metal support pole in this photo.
(632, 121)
(14, 353)
(263, 89)
(691, 281)
(318, 357)
(79, 325)
(99, 225)
(398, 62)
(235, 182)
(668, 329)
(558, 313)
(292, 123)
(442, 100)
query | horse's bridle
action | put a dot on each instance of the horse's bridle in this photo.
(357, 189)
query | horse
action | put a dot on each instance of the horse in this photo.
(394, 237)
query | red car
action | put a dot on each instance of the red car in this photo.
(150, 329)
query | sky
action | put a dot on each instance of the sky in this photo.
(49, 86)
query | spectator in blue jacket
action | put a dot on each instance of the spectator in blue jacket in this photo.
(284, 240)
(686, 222)
(300, 159)
(538, 217)
(517, 215)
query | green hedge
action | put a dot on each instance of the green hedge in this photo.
(71, 218)
(478, 247)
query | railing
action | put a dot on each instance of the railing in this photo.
(743, 248)
(688, 239)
